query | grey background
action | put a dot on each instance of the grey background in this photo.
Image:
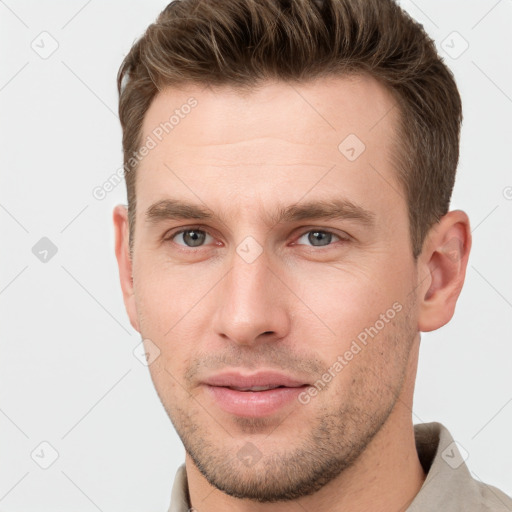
(69, 374)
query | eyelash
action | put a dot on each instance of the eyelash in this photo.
(168, 237)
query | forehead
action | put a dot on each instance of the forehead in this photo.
(277, 140)
(333, 106)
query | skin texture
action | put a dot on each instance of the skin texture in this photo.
(299, 305)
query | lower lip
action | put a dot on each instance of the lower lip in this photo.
(253, 403)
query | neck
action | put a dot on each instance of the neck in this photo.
(386, 477)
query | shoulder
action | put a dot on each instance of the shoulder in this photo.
(449, 484)
(492, 499)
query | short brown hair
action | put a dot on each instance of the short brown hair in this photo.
(241, 43)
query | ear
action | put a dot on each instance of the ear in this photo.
(124, 262)
(443, 261)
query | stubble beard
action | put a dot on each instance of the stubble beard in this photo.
(336, 438)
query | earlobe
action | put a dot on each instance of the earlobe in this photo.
(444, 258)
(124, 262)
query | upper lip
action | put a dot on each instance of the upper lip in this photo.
(268, 378)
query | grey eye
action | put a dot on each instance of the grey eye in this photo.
(319, 238)
(191, 237)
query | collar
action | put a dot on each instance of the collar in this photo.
(448, 485)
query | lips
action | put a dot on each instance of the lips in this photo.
(260, 394)
(255, 388)
(263, 380)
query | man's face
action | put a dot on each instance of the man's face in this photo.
(250, 291)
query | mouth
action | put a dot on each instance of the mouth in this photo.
(260, 394)
(257, 388)
(262, 379)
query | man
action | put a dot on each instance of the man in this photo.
(289, 168)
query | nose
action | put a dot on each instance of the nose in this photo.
(251, 304)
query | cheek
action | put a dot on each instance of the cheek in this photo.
(376, 358)
(169, 309)
(345, 302)
(164, 295)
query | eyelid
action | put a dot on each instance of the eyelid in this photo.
(343, 236)
(170, 234)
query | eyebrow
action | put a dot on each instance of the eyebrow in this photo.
(333, 209)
